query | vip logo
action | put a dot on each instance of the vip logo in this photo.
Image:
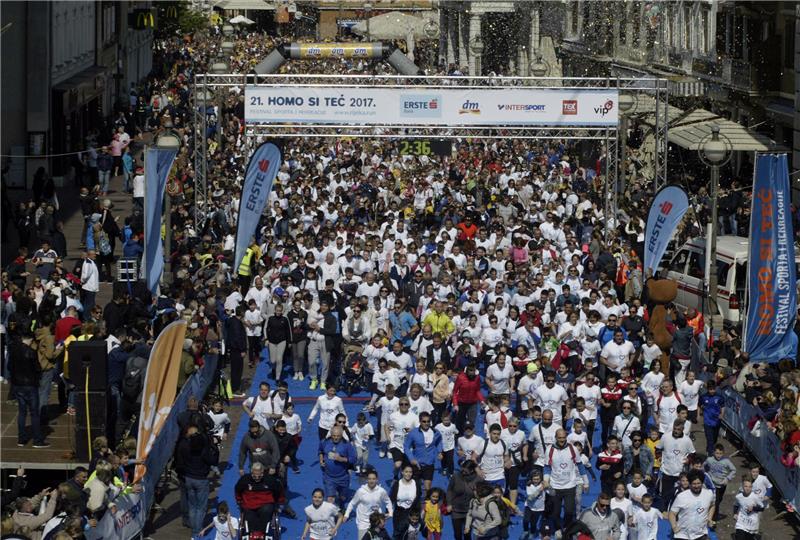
(605, 109)
(569, 106)
(666, 208)
(263, 165)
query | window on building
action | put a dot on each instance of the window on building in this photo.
(687, 28)
(109, 23)
(636, 26)
(623, 25)
(737, 36)
(575, 14)
(788, 44)
(705, 34)
(722, 32)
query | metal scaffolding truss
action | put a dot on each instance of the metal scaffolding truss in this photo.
(208, 85)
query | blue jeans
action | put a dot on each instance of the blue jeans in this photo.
(104, 177)
(197, 501)
(28, 402)
(45, 384)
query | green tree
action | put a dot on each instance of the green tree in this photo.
(177, 16)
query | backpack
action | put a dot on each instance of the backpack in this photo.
(505, 513)
(133, 380)
(103, 245)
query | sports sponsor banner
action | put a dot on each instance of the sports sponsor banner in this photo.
(157, 163)
(261, 172)
(772, 294)
(160, 389)
(335, 50)
(666, 211)
(431, 107)
(741, 418)
(132, 508)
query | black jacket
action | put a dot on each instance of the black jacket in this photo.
(416, 505)
(23, 364)
(430, 363)
(236, 337)
(195, 456)
(278, 329)
(329, 330)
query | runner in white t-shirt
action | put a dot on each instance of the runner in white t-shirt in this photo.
(689, 390)
(323, 518)
(692, 511)
(225, 525)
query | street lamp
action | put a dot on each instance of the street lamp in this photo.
(714, 151)
(367, 11)
(539, 67)
(627, 104)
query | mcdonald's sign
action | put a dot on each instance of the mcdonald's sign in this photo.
(141, 19)
(171, 12)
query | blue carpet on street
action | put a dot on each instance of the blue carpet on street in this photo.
(301, 485)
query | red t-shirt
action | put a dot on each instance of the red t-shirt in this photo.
(64, 327)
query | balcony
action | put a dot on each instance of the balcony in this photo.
(738, 73)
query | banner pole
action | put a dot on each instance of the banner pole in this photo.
(746, 299)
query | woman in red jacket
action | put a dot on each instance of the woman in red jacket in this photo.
(466, 396)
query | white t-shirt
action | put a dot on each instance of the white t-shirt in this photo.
(667, 407)
(749, 521)
(469, 445)
(646, 523)
(448, 436)
(328, 408)
(261, 410)
(361, 434)
(692, 511)
(651, 382)
(592, 397)
(365, 501)
(491, 463)
(674, 452)
(419, 405)
(526, 386)
(543, 438)
(534, 497)
(636, 491)
(399, 425)
(623, 427)
(760, 487)
(551, 398)
(500, 377)
(322, 520)
(294, 424)
(224, 530)
(690, 393)
(514, 443)
(254, 318)
(617, 354)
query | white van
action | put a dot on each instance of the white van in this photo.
(687, 267)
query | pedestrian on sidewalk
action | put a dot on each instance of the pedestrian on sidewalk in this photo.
(90, 280)
(105, 163)
(23, 366)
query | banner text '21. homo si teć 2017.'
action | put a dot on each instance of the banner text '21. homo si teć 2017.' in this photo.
(431, 107)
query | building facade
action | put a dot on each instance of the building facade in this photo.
(67, 66)
(737, 59)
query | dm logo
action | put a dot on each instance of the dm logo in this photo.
(470, 107)
(421, 106)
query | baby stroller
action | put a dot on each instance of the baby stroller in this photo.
(272, 532)
(353, 374)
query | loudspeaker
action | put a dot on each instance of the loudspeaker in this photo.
(86, 431)
(88, 356)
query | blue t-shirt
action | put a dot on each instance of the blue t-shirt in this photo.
(337, 470)
(712, 408)
(403, 322)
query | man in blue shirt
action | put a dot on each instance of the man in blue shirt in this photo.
(712, 405)
(404, 325)
(336, 458)
(423, 446)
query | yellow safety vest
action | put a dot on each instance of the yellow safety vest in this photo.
(245, 266)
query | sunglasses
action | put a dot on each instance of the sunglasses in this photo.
(405, 404)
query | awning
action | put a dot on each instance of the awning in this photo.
(694, 129)
(783, 108)
(254, 5)
(687, 87)
(85, 77)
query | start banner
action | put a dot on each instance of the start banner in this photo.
(421, 106)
